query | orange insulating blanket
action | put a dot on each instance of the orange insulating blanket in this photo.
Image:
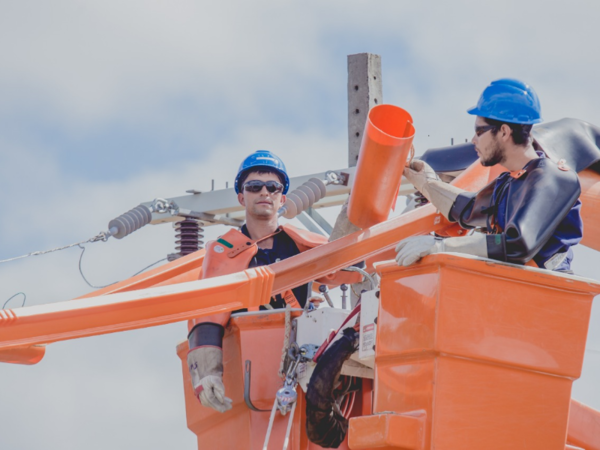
(387, 140)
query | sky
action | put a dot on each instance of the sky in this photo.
(104, 105)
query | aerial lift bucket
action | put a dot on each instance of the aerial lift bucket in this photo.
(475, 354)
(257, 338)
(386, 144)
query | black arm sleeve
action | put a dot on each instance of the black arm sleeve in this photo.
(470, 208)
(206, 333)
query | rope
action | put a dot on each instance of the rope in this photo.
(270, 427)
(286, 339)
(103, 236)
(289, 427)
(286, 440)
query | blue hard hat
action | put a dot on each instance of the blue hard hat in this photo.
(509, 100)
(262, 159)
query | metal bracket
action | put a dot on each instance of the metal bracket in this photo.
(308, 351)
(310, 223)
(247, 381)
(320, 220)
(344, 178)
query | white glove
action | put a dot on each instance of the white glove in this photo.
(213, 394)
(419, 174)
(206, 370)
(412, 249)
(424, 179)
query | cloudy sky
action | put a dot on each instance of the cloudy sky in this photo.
(104, 105)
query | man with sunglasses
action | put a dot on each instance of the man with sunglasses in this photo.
(529, 214)
(261, 185)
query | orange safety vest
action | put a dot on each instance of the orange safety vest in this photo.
(233, 252)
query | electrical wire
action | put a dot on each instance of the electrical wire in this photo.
(102, 236)
(21, 293)
(114, 282)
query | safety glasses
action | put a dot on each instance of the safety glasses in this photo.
(257, 185)
(483, 129)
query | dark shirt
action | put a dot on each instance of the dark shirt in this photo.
(283, 247)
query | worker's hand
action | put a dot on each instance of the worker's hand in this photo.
(419, 174)
(206, 370)
(412, 249)
(213, 394)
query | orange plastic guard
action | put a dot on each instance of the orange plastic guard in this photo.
(137, 309)
(386, 142)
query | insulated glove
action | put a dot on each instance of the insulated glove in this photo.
(412, 249)
(424, 179)
(420, 174)
(206, 369)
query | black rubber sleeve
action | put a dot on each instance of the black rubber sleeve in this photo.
(462, 203)
(206, 333)
(496, 246)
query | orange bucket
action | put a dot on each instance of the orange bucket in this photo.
(387, 140)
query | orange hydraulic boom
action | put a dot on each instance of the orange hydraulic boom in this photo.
(120, 308)
(140, 302)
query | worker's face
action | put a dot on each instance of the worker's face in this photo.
(263, 204)
(489, 147)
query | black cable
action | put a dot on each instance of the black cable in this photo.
(24, 298)
(147, 267)
(110, 284)
(83, 276)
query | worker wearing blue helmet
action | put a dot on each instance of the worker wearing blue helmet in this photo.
(530, 214)
(261, 184)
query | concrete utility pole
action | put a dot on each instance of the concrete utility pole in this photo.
(364, 92)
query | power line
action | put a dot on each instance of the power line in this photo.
(102, 236)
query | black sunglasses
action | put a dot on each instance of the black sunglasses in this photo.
(257, 185)
(484, 129)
